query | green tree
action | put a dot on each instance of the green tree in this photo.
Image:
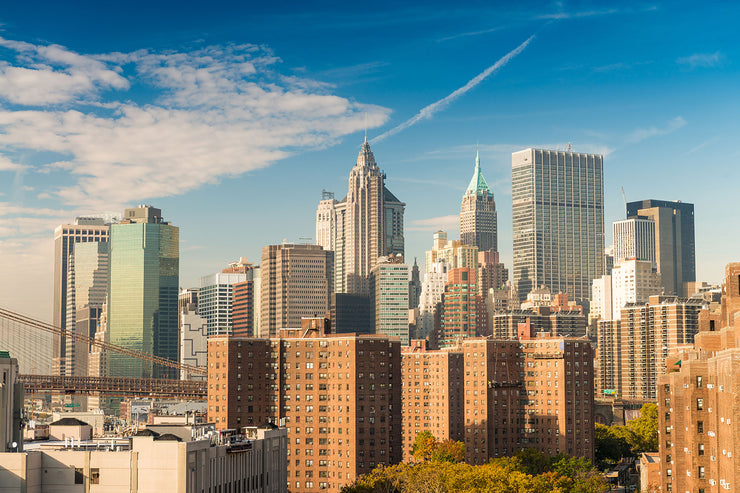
(645, 429)
(424, 446)
(612, 444)
(449, 451)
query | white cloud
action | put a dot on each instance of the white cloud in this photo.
(641, 134)
(703, 60)
(219, 111)
(443, 223)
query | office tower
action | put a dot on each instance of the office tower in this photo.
(193, 343)
(187, 300)
(558, 221)
(545, 320)
(634, 238)
(352, 313)
(338, 394)
(458, 308)
(455, 253)
(414, 286)
(698, 413)
(245, 306)
(674, 240)
(389, 285)
(97, 361)
(601, 299)
(492, 274)
(632, 349)
(215, 295)
(143, 292)
(87, 288)
(326, 221)
(478, 218)
(84, 229)
(432, 290)
(608, 259)
(633, 281)
(365, 225)
(502, 299)
(296, 282)
(11, 407)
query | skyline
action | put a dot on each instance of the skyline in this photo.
(234, 109)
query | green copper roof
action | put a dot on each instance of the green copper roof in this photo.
(478, 184)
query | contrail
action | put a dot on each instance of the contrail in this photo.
(429, 111)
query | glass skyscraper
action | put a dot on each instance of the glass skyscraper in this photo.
(558, 221)
(143, 291)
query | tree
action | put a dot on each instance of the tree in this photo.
(424, 446)
(449, 451)
(645, 429)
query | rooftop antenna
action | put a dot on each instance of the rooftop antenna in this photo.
(365, 126)
(624, 199)
(569, 147)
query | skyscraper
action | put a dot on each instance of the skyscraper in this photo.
(296, 282)
(365, 225)
(478, 217)
(216, 293)
(143, 292)
(558, 221)
(458, 307)
(675, 254)
(84, 229)
(634, 238)
(389, 281)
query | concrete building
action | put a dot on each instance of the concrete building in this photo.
(216, 294)
(66, 236)
(699, 403)
(338, 395)
(143, 292)
(675, 252)
(632, 349)
(601, 299)
(633, 281)
(458, 308)
(557, 323)
(558, 221)
(634, 238)
(503, 299)
(245, 306)
(365, 225)
(389, 285)
(11, 405)
(193, 343)
(478, 217)
(456, 254)
(154, 463)
(414, 286)
(352, 313)
(492, 273)
(296, 282)
(432, 289)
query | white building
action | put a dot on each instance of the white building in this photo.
(326, 221)
(193, 343)
(215, 298)
(633, 281)
(601, 299)
(432, 289)
(634, 238)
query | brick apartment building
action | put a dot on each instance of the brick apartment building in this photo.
(338, 394)
(699, 403)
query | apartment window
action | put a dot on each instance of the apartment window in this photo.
(701, 472)
(95, 475)
(701, 449)
(700, 426)
(668, 473)
(699, 404)
(698, 382)
(79, 476)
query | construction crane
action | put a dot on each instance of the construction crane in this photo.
(11, 316)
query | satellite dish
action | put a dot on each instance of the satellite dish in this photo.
(14, 445)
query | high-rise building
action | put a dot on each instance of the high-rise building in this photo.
(216, 293)
(339, 395)
(143, 292)
(633, 281)
(675, 254)
(432, 290)
(601, 299)
(634, 238)
(698, 413)
(245, 306)
(414, 286)
(87, 288)
(478, 217)
(84, 229)
(352, 314)
(365, 225)
(458, 308)
(389, 283)
(11, 406)
(193, 343)
(455, 253)
(492, 273)
(632, 349)
(558, 221)
(296, 282)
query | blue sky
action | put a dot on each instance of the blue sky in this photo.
(232, 117)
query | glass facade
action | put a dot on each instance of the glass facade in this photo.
(558, 221)
(143, 290)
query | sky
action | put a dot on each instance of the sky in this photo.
(232, 117)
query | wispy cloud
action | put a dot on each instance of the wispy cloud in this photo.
(471, 33)
(576, 15)
(218, 111)
(429, 111)
(434, 223)
(352, 71)
(641, 134)
(702, 60)
(704, 144)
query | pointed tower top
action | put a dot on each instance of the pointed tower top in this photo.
(366, 158)
(477, 184)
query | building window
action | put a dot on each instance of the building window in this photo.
(79, 476)
(701, 472)
(701, 449)
(700, 426)
(699, 404)
(95, 475)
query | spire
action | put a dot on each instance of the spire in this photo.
(366, 158)
(477, 184)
